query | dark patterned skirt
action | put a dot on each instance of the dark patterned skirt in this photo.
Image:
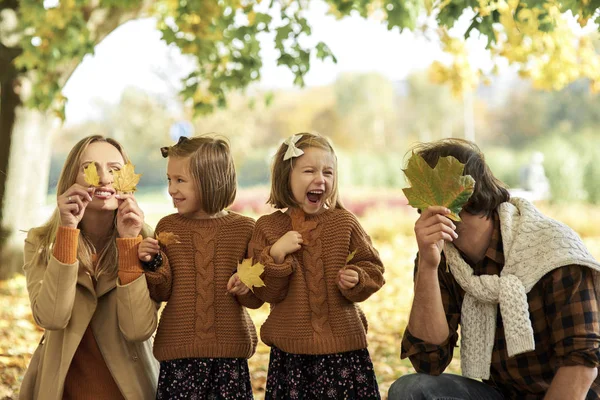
(340, 376)
(204, 378)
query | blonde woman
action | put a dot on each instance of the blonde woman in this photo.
(87, 288)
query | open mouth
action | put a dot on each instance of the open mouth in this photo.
(314, 196)
(103, 193)
(176, 202)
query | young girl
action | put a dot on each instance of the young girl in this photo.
(205, 335)
(87, 288)
(319, 263)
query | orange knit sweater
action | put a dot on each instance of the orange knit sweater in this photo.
(201, 319)
(310, 314)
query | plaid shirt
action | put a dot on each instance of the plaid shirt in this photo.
(563, 309)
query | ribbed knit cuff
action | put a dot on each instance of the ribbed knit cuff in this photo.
(65, 245)
(130, 267)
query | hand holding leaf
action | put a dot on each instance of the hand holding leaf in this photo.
(445, 185)
(167, 238)
(91, 176)
(126, 179)
(250, 274)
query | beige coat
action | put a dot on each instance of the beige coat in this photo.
(123, 319)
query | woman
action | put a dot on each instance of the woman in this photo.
(87, 289)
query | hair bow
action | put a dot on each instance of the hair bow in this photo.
(292, 150)
(165, 150)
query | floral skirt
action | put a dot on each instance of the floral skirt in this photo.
(204, 378)
(347, 375)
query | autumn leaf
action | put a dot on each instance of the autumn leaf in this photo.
(250, 274)
(445, 185)
(350, 256)
(167, 238)
(126, 178)
(302, 226)
(90, 174)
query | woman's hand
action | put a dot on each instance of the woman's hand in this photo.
(72, 203)
(130, 218)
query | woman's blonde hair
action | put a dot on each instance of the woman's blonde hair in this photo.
(281, 195)
(211, 166)
(46, 234)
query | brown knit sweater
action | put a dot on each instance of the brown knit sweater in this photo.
(310, 314)
(201, 319)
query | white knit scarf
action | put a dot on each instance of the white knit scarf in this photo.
(533, 246)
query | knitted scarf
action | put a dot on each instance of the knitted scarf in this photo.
(533, 246)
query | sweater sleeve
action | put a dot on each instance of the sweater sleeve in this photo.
(136, 312)
(366, 263)
(160, 281)
(275, 276)
(130, 267)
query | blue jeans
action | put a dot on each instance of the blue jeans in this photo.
(443, 387)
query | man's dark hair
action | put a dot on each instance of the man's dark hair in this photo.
(489, 191)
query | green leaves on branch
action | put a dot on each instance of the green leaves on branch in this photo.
(445, 185)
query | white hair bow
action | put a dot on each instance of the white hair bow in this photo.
(292, 150)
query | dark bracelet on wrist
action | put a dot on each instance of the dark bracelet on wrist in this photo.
(153, 264)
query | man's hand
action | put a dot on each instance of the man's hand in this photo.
(432, 229)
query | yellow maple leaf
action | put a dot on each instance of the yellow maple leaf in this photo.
(126, 178)
(167, 238)
(350, 256)
(91, 176)
(250, 274)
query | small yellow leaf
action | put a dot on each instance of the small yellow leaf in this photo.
(126, 178)
(250, 274)
(167, 238)
(350, 256)
(91, 175)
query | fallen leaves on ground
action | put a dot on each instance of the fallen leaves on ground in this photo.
(387, 312)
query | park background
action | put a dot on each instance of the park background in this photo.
(387, 91)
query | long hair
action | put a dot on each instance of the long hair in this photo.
(46, 234)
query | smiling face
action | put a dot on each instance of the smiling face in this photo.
(107, 159)
(182, 188)
(312, 179)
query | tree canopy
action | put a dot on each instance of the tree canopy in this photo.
(223, 38)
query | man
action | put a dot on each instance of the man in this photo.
(522, 287)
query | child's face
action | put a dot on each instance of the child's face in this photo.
(182, 187)
(107, 159)
(312, 179)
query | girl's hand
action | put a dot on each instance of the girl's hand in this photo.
(287, 244)
(130, 218)
(347, 278)
(72, 203)
(148, 249)
(236, 287)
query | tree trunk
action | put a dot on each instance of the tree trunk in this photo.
(26, 138)
(26, 144)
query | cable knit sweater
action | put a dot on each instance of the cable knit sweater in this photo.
(201, 319)
(533, 246)
(310, 314)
